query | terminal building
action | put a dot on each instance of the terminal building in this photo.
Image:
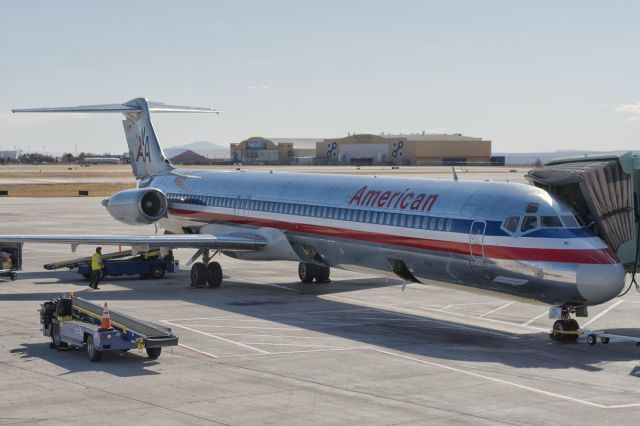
(408, 150)
(368, 149)
(259, 150)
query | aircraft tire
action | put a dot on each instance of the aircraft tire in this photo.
(307, 272)
(198, 275)
(156, 271)
(322, 274)
(214, 275)
(95, 355)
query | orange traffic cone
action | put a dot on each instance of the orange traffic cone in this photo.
(105, 323)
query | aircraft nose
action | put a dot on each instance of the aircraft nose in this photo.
(600, 283)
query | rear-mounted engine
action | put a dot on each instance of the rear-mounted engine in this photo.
(141, 206)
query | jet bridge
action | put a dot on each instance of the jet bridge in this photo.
(604, 191)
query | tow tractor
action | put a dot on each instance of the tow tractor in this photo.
(75, 322)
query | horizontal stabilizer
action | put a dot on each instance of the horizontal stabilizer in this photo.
(127, 107)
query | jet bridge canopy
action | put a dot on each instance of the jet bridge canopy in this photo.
(601, 189)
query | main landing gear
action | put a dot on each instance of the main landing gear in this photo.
(206, 273)
(565, 329)
(310, 271)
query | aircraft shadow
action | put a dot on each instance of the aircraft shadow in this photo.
(418, 335)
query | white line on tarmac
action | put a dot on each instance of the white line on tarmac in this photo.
(442, 322)
(294, 344)
(197, 351)
(515, 324)
(499, 308)
(274, 335)
(537, 317)
(433, 364)
(216, 337)
(296, 352)
(601, 314)
(504, 382)
(234, 326)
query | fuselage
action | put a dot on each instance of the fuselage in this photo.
(508, 238)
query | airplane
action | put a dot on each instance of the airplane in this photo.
(509, 239)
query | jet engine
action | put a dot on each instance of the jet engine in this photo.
(141, 206)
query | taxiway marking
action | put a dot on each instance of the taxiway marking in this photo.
(233, 342)
(601, 314)
(499, 308)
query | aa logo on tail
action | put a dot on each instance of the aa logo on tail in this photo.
(144, 150)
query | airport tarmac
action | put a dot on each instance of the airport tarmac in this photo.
(266, 349)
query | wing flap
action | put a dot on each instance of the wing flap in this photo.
(213, 242)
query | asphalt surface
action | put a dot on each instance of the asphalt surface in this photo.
(265, 349)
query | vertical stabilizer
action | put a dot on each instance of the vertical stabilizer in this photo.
(145, 152)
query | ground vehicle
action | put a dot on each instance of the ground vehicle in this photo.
(146, 268)
(10, 265)
(75, 322)
(146, 264)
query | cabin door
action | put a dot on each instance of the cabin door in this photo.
(476, 242)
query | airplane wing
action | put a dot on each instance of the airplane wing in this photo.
(145, 243)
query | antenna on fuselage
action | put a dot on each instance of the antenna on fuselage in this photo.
(455, 175)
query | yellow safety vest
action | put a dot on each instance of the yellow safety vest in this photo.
(96, 262)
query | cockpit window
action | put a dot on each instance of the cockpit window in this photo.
(570, 222)
(550, 222)
(529, 223)
(532, 208)
(511, 223)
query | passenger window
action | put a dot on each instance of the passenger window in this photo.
(374, 217)
(410, 222)
(511, 223)
(532, 208)
(432, 223)
(529, 223)
(570, 222)
(441, 224)
(550, 222)
(449, 224)
(403, 219)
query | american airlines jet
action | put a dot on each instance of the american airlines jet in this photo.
(509, 239)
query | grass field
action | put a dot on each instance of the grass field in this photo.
(105, 179)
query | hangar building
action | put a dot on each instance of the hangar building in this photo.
(259, 150)
(410, 150)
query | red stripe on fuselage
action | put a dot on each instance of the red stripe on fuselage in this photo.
(591, 256)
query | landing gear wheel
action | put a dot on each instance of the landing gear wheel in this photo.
(55, 337)
(13, 276)
(592, 339)
(322, 274)
(156, 271)
(94, 354)
(198, 275)
(561, 328)
(306, 272)
(153, 353)
(214, 275)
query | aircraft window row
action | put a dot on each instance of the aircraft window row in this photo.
(324, 212)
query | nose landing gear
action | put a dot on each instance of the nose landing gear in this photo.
(565, 329)
(206, 273)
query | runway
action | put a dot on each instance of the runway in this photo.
(266, 349)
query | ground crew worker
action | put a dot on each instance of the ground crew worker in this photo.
(96, 268)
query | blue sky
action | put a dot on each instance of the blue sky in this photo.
(528, 75)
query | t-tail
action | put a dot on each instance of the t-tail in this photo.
(145, 152)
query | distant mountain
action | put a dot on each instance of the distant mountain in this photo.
(204, 148)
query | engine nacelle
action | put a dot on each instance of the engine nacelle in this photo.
(141, 206)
